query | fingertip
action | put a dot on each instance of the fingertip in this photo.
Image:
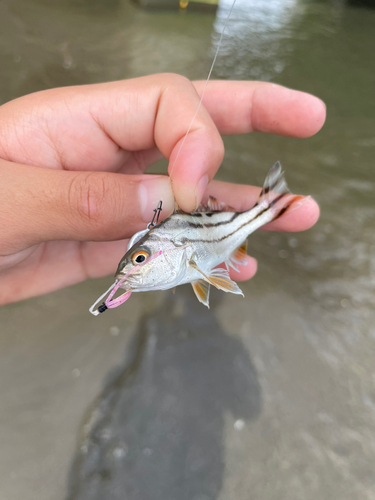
(288, 112)
(245, 272)
(305, 214)
(310, 213)
(152, 190)
(193, 166)
(301, 216)
(200, 190)
(313, 108)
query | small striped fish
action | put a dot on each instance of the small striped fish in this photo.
(186, 248)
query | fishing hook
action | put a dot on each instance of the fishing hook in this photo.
(156, 216)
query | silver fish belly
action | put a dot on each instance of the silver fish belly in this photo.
(186, 248)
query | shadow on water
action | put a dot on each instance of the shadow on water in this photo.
(157, 430)
(366, 4)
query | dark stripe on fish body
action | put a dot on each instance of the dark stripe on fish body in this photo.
(284, 209)
(248, 222)
(215, 224)
(236, 214)
(200, 214)
(186, 240)
(277, 199)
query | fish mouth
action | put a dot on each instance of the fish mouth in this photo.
(110, 302)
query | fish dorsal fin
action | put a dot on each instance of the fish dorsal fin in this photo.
(177, 209)
(238, 257)
(202, 291)
(214, 205)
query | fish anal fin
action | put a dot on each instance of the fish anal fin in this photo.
(241, 253)
(220, 279)
(202, 291)
(238, 257)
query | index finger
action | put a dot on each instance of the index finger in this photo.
(239, 108)
(244, 107)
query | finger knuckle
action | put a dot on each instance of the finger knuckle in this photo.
(215, 145)
(89, 195)
(219, 150)
(174, 80)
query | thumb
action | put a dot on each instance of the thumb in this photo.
(41, 204)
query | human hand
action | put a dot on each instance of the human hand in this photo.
(72, 163)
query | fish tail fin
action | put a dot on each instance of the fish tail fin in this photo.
(275, 194)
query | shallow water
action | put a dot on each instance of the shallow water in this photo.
(269, 396)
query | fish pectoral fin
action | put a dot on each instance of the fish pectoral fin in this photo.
(202, 291)
(219, 278)
(194, 265)
(238, 257)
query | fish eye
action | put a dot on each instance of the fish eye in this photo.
(139, 257)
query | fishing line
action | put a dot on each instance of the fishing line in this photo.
(110, 302)
(205, 85)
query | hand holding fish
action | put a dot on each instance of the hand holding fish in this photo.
(72, 166)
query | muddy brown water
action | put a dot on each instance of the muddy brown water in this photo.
(271, 396)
